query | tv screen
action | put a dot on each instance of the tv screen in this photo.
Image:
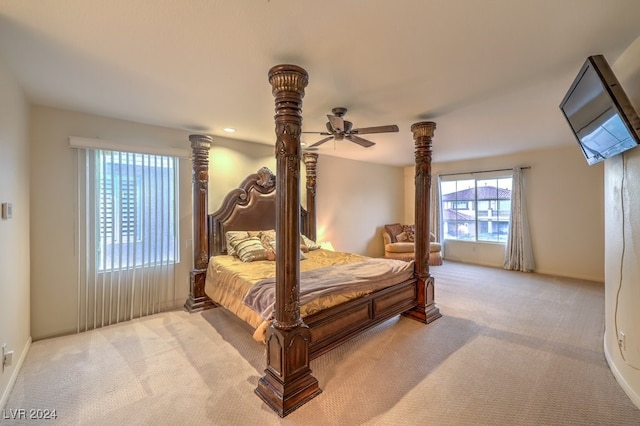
(600, 113)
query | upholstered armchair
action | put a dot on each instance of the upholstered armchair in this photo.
(399, 244)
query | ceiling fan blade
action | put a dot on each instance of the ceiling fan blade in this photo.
(318, 133)
(376, 129)
(336, 122)
(320, 142)
(360, 141)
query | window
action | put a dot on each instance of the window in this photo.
(127, 232)
(476, 209)
(135, 210)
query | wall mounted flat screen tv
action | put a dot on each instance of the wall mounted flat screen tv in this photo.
(600, 113)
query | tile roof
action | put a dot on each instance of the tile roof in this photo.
(450, 214)
(484, 193)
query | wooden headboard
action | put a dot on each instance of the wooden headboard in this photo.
(250, 207)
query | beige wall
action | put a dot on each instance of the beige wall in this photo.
(565, 205)
(230, 161)
(354, 201)
(14, 232)
(622, 255)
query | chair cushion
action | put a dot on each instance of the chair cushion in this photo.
(400, 248)
(400, 256)
(434, 247)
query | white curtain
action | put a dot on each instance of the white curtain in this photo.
(127, 235)
(434, 216)
(518, 253)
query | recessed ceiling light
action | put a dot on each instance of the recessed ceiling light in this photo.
(229, 130)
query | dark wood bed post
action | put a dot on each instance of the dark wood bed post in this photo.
(198, 300)
(426, 311)
(287, 382)
(310, 161)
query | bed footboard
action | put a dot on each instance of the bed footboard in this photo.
(332, 327)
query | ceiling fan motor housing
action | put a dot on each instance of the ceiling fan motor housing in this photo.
(339, 135)
(339, 111)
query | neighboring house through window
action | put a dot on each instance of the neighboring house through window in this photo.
(476, 209)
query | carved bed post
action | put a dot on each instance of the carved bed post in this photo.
(310, 161)
(287, 382)
(198, 300)
(426, 311)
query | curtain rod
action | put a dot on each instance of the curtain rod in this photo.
(482, 171)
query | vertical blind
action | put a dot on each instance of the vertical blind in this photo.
(127, 235)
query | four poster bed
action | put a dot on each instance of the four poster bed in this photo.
(296, 307)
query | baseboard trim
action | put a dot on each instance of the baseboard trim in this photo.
(14, 375)
(633, 396)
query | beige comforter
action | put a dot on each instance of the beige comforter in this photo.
(229, 280)
(358, 277)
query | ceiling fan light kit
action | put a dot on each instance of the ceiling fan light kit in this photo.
(339, 129)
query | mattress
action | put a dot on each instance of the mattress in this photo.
(229, 281)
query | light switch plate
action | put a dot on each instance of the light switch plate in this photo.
(7, 210)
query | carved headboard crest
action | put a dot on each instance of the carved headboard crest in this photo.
(266, 178)
(264, 182)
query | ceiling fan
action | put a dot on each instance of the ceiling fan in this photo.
(338, 128)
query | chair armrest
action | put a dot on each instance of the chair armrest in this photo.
(386, 237)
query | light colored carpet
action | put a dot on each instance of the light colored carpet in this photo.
(511, 349)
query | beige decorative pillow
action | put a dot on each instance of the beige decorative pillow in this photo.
(232, 237)
(271, 233)
(308, 243)
(402, 237)
(269, 243)
(250, 249)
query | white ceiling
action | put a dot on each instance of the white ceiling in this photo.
(490, 73)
